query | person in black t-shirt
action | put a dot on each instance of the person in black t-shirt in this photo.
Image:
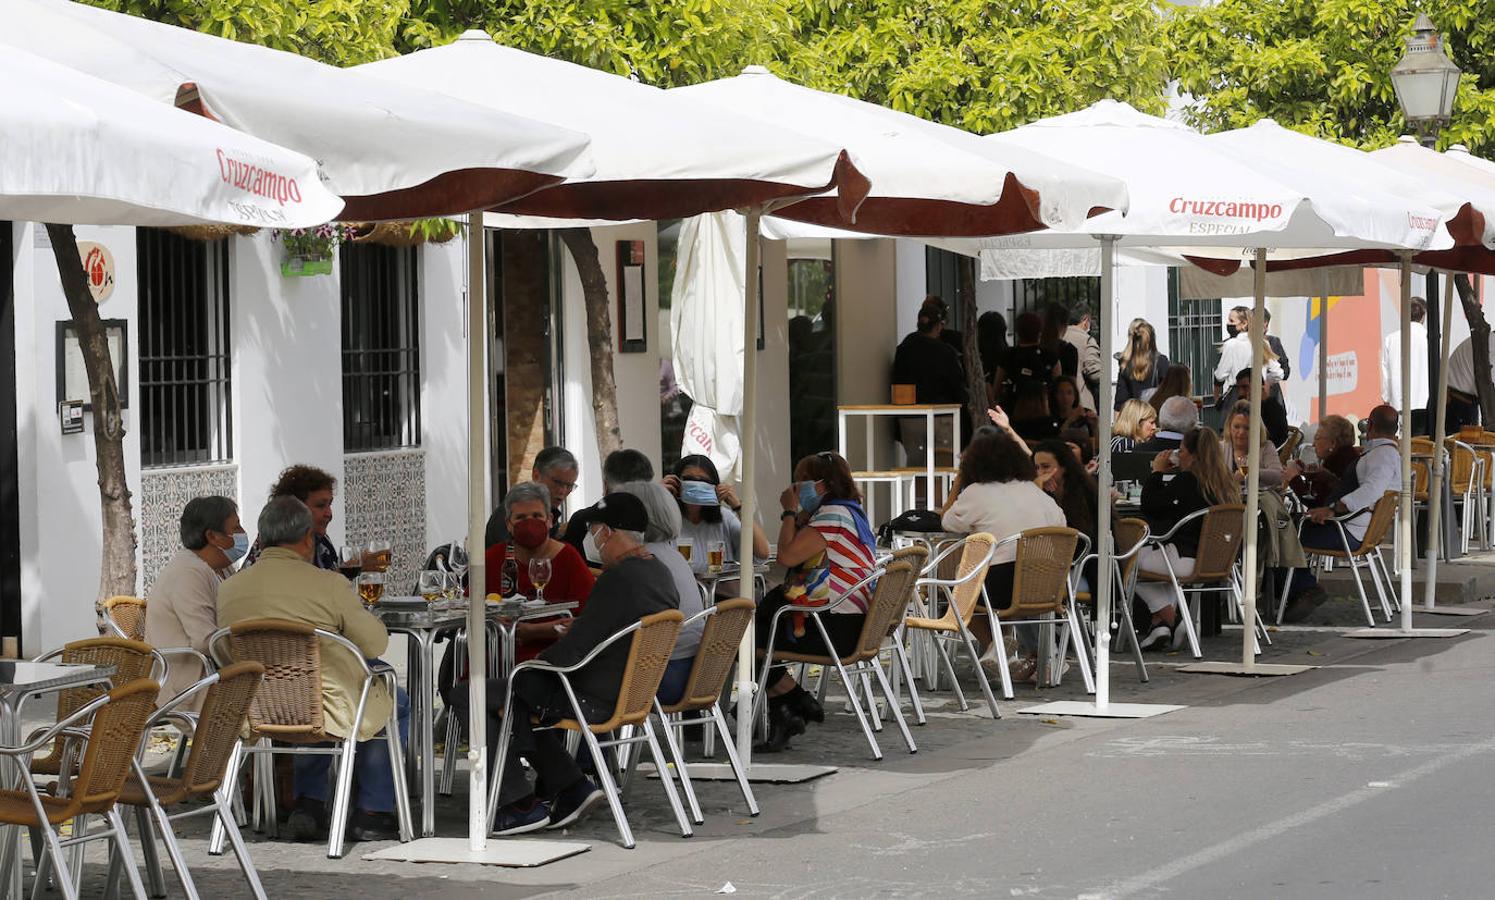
(1026, 363)
(928, 363)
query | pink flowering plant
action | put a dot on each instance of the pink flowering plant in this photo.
(316, 242)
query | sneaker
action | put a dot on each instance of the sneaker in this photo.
(1302, 606)
(574, 802)
(992, 666)
(373, 826)
(1159, 634)
(512, 819)
(1180, 637)
(308, 821)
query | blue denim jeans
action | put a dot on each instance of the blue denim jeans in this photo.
(372, 775)
(672, 686)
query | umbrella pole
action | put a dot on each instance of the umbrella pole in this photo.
(1101, 590)
(748, 430)
(1253, 466)
(1323, 357)
(1404, 552)
(477, 480)
(1435, 483)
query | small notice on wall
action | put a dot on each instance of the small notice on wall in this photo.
(1344, 373)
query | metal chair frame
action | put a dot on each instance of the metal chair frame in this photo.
(962, 637)
(1124, 573)
(1369, 556)
(1070, 624)
(595, 746)
(1208, 583)
(262, 751)
(1469, 494)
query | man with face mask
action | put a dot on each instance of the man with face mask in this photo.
(633, 584)
(182, 607)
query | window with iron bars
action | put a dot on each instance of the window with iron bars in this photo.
(186, 416)
(1195, 328)
(1037, 294)
(381, 347)
(942, 279)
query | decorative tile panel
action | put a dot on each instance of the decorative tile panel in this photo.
(163, 495)
(384, 496)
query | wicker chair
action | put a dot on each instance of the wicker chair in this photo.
(1131, 534)
(726, 623)
(1042, 592)
(215, 749)
(1367, 556)
(288, 711)
(1220, 537)
(885, 611)
(1466, 482)
(132, 660)
(962, 590)
(126, 617)
(653, 639)
(110, 741)
(902, 675)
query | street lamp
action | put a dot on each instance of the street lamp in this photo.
(1425, 81)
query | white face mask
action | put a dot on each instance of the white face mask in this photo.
(590, 548)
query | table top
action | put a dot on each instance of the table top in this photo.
(443, 615)
(900, 407)
(21, 676)
(731, 570)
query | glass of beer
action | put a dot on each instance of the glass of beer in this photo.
(379, 551)
(452, 584)
(716, 554)
(349, 561)
(685, 547)
(370, 587)
(432, 585)
(539, 575)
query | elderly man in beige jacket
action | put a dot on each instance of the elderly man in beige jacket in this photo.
(284, 584)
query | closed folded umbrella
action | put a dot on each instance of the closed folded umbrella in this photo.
(78, 150)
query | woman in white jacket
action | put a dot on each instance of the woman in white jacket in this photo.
(995, 492)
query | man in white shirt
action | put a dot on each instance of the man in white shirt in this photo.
(1379, 470)
(1463, 394)
(1391, 368)
(1235, 353)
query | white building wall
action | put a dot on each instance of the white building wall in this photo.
(60, 559)
(443, 399)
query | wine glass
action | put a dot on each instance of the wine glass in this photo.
(349, 561)
(370, 587)
(380, 551)
(539, 576)
(452, 586)
(432, 585)
(456, 558)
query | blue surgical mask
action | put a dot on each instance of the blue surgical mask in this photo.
(698, 493)
(240, 547)
(809, 499)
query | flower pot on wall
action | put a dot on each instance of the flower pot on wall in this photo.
(294, 266)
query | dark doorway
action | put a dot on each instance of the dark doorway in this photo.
(10, 486)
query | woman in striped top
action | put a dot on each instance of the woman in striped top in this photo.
(826, 544)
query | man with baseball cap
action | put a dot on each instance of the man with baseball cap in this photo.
(633, 584)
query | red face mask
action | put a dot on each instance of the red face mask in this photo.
(531, 534)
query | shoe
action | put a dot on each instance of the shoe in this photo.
(308, 821)
(992, 665)
(805, 704)
(512, 819)
(1024, 670)
(574, 802)
(1180, 636)
(783, 725)
(1157, 636)
(1302, 606)
(373, 826)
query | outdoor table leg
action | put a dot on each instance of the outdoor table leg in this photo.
(412, 685)
(427, 728)
(929, 460)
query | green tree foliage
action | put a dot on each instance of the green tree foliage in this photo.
(341, 32)
(1323, 66)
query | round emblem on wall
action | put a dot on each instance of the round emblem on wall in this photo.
(98, 266)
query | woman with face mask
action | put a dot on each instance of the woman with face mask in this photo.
(826, 546)
(182, 607)
(709, 511)
(527, 515)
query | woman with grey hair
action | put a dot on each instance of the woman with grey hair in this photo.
(182, 607)
(527, 519)
(659, 539)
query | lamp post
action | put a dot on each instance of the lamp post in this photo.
(1426, 81)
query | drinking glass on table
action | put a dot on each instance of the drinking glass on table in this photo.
(685, 547)
(451, 586)
(456, 558)
(370, 587)
(539, 576)
(431, 585)
(716, 554)
(379, 553)
(349, 561)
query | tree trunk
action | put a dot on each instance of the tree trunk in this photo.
(1479, 337)
(599, 336)
(117, 573)
(975, 375)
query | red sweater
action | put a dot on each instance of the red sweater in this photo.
(570, 582)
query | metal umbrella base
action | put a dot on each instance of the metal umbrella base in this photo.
(509, 853)
(1262, 670)
(1096, 711)
(1389, 633)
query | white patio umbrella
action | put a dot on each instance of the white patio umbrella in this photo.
(927, 179)
(1194, 197)
(390, 150)
(78, 150)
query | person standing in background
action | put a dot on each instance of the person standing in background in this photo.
(1087, 352)
(1141, 367)
(927, 362)
(1391, 368)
